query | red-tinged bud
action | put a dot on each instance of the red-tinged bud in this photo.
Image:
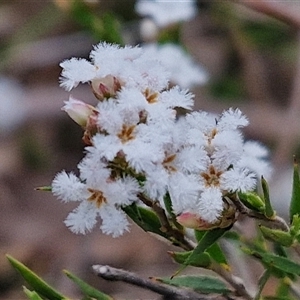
(106, 87)
(79, 111)
(191, 220)
(194, 221)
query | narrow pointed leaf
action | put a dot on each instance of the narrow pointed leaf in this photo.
(169, 209)
(214, 250)
(44, 188)
(199, 234)
(282, 263)
(269, 211)
(275, 262)
(86, 289)
(145, 218)
(295, 201)
(202, 284)
(217, 254)
(207, 240)
(32, 295)
(202, 260)
(282, 237)
(38, 284)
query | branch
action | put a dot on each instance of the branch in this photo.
(276, 222)
(234, 281)
(114, 274)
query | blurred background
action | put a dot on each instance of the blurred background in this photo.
(240, 54)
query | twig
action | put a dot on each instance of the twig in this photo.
(234, 281)
(276, 221)
(114, 274)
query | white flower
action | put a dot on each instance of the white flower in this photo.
(128, 65)
(136, 145)
(175, 97)
(75, 71)
(216, 146)
(167, 12)
(238, 180)
(255, 158)
(67, 187)
(99, 196)
(210, 204)
(184, 71)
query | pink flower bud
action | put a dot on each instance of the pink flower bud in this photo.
(106, 87)
(78, 110)
(191, 220)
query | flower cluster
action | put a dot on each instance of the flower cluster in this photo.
(138, 147)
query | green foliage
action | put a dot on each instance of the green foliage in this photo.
(282, 237)
(86, 289)
(145, 218)
(32, 295)
(269, 211)
(38, 284)
(203, 284)
(295, 201)
(252, 201)
(266, 35)
(105, 27)
(44, 291)
(208, 239)
(201, 260)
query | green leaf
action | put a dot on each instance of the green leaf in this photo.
(214, 250)
(269, 212)
(38, 284)
(199, 234)
(32, 295)
(44, 188)
(282, 237)
(295, 201)
(258, 254)
(279, 250)
(145, 218)
(252, 201)
(86, 288)
(202, 284)
(209, 238)
(169, 209)
(282, 263)
(217, 254)
(295, 226)
(201, 260)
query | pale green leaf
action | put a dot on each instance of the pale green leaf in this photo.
(86, 289)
